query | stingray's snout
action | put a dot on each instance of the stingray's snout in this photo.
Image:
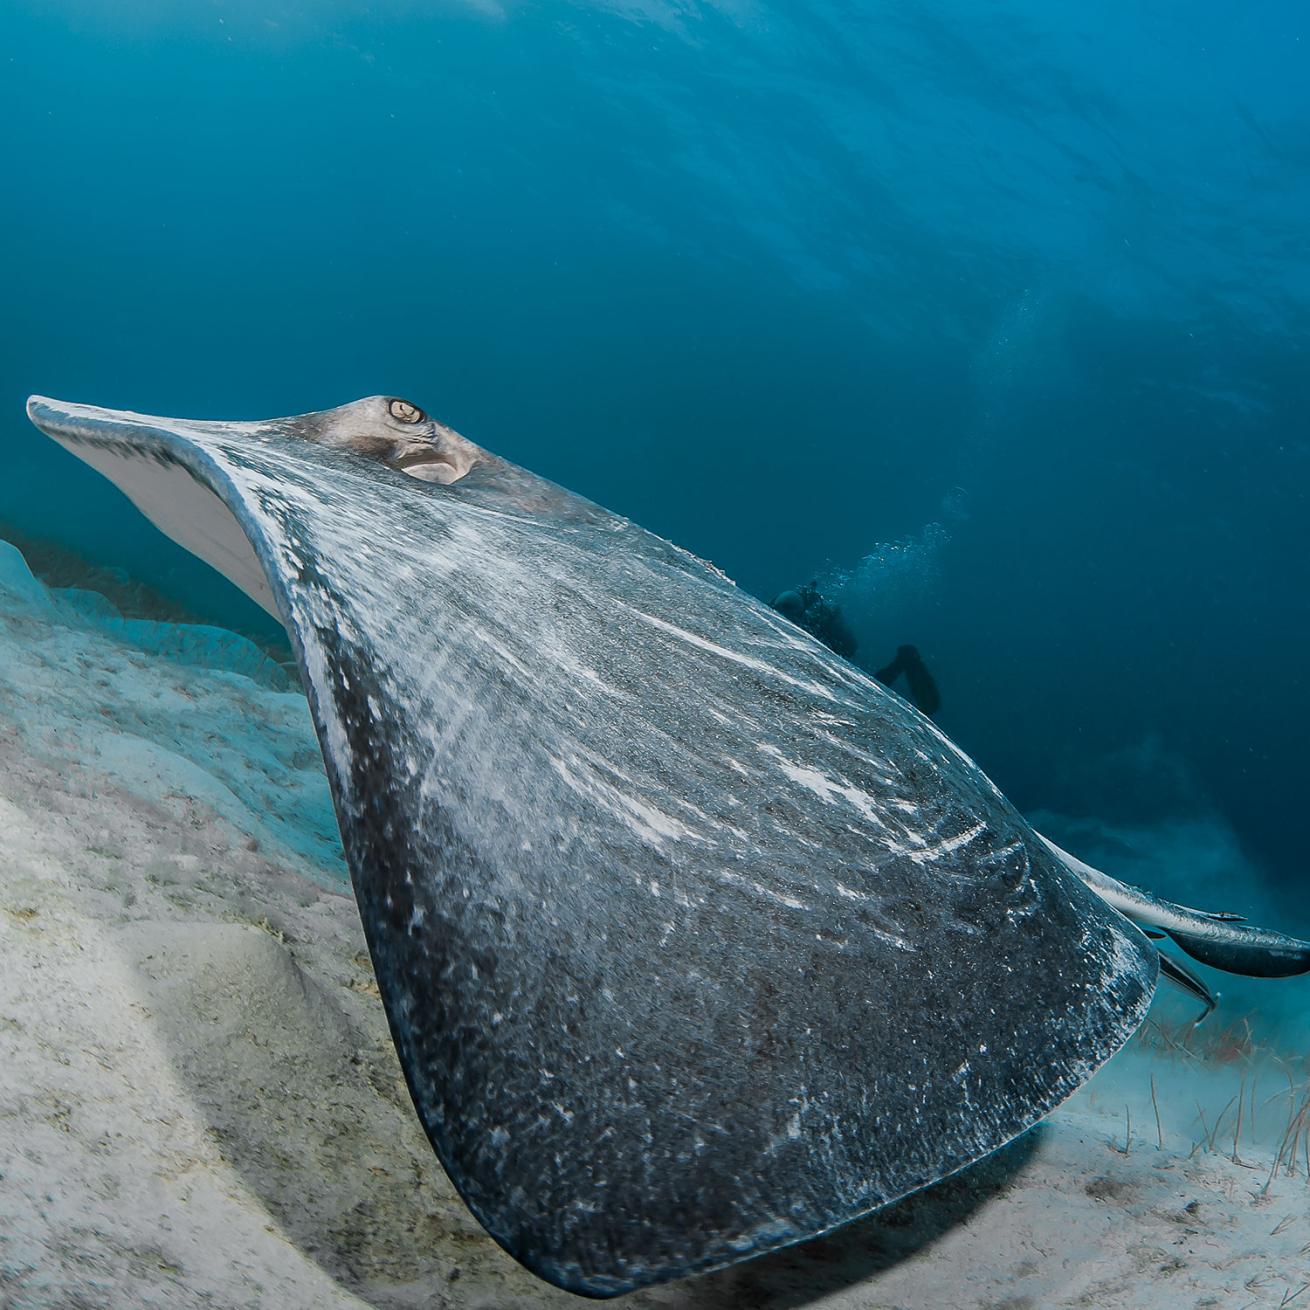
(77, 426)
(173, 471)
(53, 417)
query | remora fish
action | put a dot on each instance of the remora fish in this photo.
(694, 940)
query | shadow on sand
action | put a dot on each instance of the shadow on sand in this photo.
(859, 1252)
(310, 1111)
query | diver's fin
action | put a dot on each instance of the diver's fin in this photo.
(920, 684)
(1223, 941)
(1183, 977)
(923, 687)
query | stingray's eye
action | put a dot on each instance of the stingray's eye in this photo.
(403, 412)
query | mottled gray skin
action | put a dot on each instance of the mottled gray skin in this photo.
(694, 940)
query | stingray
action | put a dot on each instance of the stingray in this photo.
(694, 940)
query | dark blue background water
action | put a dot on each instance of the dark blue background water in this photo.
(996, 316)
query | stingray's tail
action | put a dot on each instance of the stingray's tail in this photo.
(1223, 941)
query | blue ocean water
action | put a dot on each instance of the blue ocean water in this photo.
(992, 318)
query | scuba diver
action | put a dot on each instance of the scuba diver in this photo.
(920, 684)
(807, 608)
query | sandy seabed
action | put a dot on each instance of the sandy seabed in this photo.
(200, 1104)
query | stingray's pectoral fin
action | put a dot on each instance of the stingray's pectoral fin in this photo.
(1239, 948)
(1183, 977)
